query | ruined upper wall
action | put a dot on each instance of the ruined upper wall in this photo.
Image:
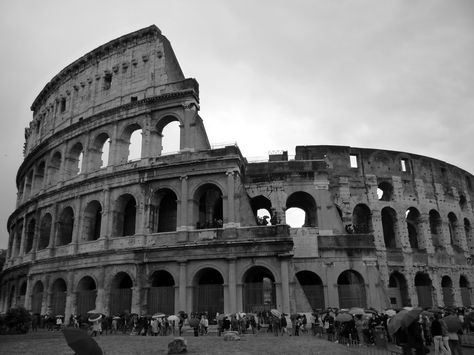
(133, 67)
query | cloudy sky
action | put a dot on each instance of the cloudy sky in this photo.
(395, 75)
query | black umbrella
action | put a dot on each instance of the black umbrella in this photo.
(81, 342)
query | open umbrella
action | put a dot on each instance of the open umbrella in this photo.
(173, 318)
(344, 317)
(452, 323)
(93, 311)
(193, 322)
(411, 316)
(220, 316)
(395, 322)
(275, 312)
(390, 312)
(81, 342)
(356, 310)
(95, 317)
(158, 315)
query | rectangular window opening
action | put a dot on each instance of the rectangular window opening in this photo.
(107, 81)
(404, 165)
(353, 159)
(63, 105)
(133, 99)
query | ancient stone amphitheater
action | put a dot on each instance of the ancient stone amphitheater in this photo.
(96, 228)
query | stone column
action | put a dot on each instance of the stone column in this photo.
(106, 223)
(137, 291)
(70, 297)
(425, 233)
(332, 294)
(182, 287)
(78, 225)
(230, 199)
(285, 287)
(232, 286)
(183, 204)
(29, 285)
(101, 299)
(21, 252)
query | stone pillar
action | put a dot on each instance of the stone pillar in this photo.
(70, 297)
(101, 299)
(332, 294)
(445, 239)
(78, 225)
(140, 221)
(146, 137)
(232, 287)
(28, 292)
(425, 233)
(402, 227)
(230, 222)
(183, 204)
(106, 223)
(285, 286)
(137, 291)
(21, 252)
(183, 287)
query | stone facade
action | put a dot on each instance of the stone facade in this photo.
(94, 229)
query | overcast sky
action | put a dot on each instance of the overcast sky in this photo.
(395, 75)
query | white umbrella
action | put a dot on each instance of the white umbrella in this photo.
(173, 318)
(95, 317)
(158, 315)
(275, 312)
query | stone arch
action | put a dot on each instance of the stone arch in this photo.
(390, 228)
(74, 160)
(22, 294)
(28, 190)
(99, 152)
(170, 131)
(40, 175)
(385, 191)
(45, 231)
(161, 293)
(208, 200)
(54, 168)
(66, 226)
(413, 220)
(447, 289)
(37, 297)
(313, 288)
(261, 206)
(17, 237)
(423, 286)
(58, 297)
(30, 235)
(351, 289)
(120, 300)
(453, 230)
(436, 228)
(305, 202)
(468, 234)
(130, 143)
(362, 219)
(92, 221)
(86, 295)
(259, 292)
(465, 291)
(208, 293)
(11, 298)
(125, 215)
(164, 211)
(398, 290)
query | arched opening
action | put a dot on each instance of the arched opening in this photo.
(39, 176)
(447, 288)
(30, 235)
(170, 138)
(121, 294)
(295, 217)
(161, 293)
(385, 191)
(362, 219)
(135, 146)
(351, 288)
(99, 152)
(413, 225)
(45, 231)
(22, 295)
(58, 297)
(208, 292)
(465, 291)
(389, 224)
(11, 298)
(92, 221)
(436, 229)
(37, 298)
(17, 240)
(209, 198)
(398, 290)
(74, 160)
(462, 202)
(305, 202)
(262, 210)
(163, 211)
(125, 216)
(86, 295)
(259, 292)
(54, 168)
(313, 288)
(453, 229)
(29, 184)
(423, 287)
(65, 227)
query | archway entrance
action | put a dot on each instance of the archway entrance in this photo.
(58, 297)
(465, 291)
(209, 292)
(161, 293)
(313, 288)
(37, 298)
(86, 295)
(423, 287)
(351, 289)
(259, 292)
(121, 294)
(398, 290)
(447, 287)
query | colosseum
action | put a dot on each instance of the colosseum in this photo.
(204, 229)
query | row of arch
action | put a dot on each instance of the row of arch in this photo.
(103, 150)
